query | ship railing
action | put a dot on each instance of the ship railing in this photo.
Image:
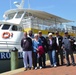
(9, 45)
(61, 30)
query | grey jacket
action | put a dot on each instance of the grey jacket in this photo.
(66, 43)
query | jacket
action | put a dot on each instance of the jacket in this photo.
(44, 43)
(54, 44)
(36, 44)
(26, 44)
(60, 38)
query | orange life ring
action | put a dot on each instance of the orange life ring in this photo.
(4, 35)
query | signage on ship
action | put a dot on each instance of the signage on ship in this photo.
(7, 55)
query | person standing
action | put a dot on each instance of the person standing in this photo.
(30, 34)
(68, 49)
(52, 46)
(26, 44)
(36, 44)
(44, 44)
(59, 50)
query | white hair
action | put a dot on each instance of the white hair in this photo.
(35, 35)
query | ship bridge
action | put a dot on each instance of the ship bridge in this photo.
(36, 20)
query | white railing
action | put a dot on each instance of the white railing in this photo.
(8, 45)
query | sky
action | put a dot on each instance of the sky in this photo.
(63, 8)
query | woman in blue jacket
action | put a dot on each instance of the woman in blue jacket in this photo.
(36, 44)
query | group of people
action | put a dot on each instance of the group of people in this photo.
(35, 46)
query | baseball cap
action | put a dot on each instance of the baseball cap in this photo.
(49, 34)
(39, 32)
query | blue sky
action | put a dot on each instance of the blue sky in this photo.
(62, 8)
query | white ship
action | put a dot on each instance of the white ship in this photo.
(20, 19)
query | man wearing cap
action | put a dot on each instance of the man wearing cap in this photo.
(68, 49)
(59, 50)
(44, 44)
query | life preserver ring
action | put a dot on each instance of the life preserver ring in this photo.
(6, 35)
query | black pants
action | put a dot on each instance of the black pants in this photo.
(59, 52)
(42, 61)
(34, 59)
(67, 53)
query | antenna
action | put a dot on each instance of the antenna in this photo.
(22, 4)
(10, 4)
(19, 5)
(29, 4)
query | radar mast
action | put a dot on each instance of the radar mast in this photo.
(19, 5)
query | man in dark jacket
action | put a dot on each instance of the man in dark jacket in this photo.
(26, 44)
(44, 44)
(59, 50)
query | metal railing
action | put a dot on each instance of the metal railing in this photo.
(8, 44)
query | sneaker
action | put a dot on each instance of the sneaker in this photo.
(73, 64)
(44, 66)
(40, 67)
(35, 68)
(54, 65)
(68, 65)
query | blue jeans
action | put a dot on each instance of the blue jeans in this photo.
(52, 56)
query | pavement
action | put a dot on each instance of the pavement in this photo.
(59, 70)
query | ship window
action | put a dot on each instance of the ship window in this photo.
(20, 28)
(14, 28)
(10, 16)
(6, 27)
(19, 14)
(27, 15)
